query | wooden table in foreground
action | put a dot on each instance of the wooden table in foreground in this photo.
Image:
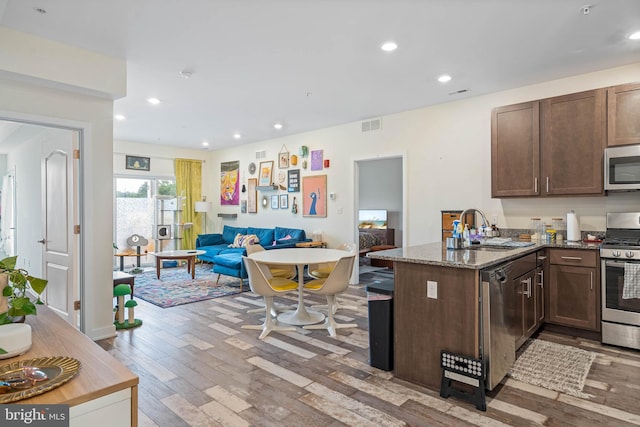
(188, 255)
(103, 393)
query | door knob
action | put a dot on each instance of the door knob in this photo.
(41, 241)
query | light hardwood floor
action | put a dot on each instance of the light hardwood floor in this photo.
(197, 367)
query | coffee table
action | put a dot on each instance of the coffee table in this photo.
(188, 255)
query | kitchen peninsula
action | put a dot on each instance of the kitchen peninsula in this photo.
(438, 302)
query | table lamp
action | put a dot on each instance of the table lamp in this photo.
(203, 207)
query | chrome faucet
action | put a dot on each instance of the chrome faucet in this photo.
(466, 211)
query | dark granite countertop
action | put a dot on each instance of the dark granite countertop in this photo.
(438, 254)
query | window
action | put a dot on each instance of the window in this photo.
(135, 212)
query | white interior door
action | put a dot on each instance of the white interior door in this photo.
(59, 216)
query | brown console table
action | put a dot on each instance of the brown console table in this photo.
(121, 256)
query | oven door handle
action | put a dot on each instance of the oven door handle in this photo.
(614, 263)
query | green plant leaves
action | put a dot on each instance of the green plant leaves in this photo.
(37, 284)
(22, 307)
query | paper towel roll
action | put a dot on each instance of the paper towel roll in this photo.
(573, 227)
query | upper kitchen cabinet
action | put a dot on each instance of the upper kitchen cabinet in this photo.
(573, 137)
(623, 114)
(515, 150)
(551, 147)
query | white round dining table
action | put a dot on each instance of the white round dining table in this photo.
(299, 257)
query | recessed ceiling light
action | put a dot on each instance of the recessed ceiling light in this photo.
(205, 144)
(119, 117)
(389, 46)
(278, 126)
(185, 74)
(153, 101)
(635, 36)
(237, 136)
(444, 78)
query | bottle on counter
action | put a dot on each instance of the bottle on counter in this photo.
(465, 236)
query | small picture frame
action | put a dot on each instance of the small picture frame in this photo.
(243, 206)
(274, 202)
(266, 171)
(284, 201)
(283, 158)
(138, 163)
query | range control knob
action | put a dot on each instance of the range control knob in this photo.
(630, 254)
(616, 253)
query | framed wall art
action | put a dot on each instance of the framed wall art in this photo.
(284, 201)
(316, 160)
(293, 186)
(314, 195)
(252, 195)
(230, 183)
(283, 158)
(274, 202)
(266, 171)
(243, 206)
(138, 163)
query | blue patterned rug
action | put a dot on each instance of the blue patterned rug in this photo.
(175, 286)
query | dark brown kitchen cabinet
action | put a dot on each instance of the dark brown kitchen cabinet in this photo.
(623, 119)
(574, 289)
(515, 150)
(572, 147)
(550, 147)
(529, 305)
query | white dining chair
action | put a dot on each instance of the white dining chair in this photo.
(262, 283)
(336, 283)
(322, 271)
(286, 271)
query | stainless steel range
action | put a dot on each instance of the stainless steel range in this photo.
(620, 258)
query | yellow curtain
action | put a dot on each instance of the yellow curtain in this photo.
(189, 185)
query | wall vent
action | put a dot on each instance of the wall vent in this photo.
(261, 154)
(372, 125)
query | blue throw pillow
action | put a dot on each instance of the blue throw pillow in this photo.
(265, 235)
(210, 239)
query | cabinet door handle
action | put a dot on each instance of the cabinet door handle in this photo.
(547, 184)
(572, 258)
(535, 185)
(541, 282)
(591, 280)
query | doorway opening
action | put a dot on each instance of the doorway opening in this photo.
(45, 185)
(379, 191)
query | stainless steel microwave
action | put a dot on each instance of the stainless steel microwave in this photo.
(622, 168)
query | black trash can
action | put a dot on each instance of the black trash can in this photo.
(380, 302)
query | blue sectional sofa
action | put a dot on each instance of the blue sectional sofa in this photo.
(228, 260)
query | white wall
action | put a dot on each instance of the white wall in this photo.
(447, 152)
(32, 91)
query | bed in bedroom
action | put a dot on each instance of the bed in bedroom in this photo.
(370, 237)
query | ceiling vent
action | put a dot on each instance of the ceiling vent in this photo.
(372, 125)
(261, 154)
(458, 92)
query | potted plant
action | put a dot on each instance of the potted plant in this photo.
(15, 283)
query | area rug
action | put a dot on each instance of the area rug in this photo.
(554, 366)
(175, 286)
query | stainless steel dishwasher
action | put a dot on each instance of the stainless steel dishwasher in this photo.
(497, 317)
